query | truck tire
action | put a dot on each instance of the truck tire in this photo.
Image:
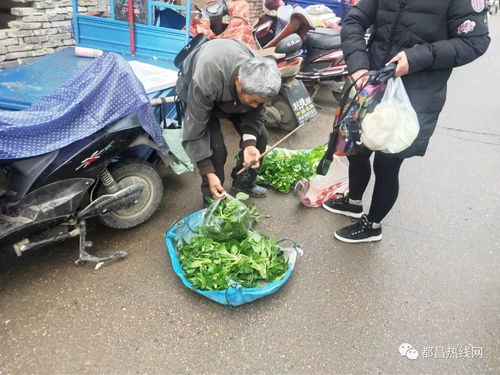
(125, 173)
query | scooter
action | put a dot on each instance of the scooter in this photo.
(224, 20)
(48, 198)
(293, 105)
(323, 61)
(266, 26)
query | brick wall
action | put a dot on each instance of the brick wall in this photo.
(255, 10)
(31, 28)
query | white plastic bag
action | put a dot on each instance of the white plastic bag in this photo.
(393, 125)
(322, 188)
(318, 9)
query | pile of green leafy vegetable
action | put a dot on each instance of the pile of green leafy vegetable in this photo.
(225, 250)
(211, 265)
(282, 169)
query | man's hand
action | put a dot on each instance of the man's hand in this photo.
(251, 153)
(215, 186)
(363, 81)
(403, 67)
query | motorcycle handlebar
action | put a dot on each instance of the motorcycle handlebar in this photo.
(382, 75)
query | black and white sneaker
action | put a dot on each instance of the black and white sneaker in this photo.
(343, 207)
(361, 231)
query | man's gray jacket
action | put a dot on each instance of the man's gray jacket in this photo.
(207, 85)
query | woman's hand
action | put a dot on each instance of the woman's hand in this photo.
(363, 81)
(402, 67)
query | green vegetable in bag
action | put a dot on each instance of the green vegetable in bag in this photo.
(228, 218)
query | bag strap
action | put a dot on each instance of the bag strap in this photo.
(324, 164)
(193, 44)
(402, 5)
(163, 121)
(179, 111)
(345, 97)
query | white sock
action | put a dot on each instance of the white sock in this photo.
(376, 225)
(356, 203)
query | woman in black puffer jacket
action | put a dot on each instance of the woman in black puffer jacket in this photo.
(427, 39)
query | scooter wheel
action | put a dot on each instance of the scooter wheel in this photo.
(126, 173)
(288, 121)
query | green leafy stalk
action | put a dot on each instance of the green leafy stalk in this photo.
(282, 170)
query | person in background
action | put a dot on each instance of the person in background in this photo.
(224, 79)
(427, 39)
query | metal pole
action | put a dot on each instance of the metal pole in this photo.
(253, 162)
(74, 21)
(131, 26)
(188, 20)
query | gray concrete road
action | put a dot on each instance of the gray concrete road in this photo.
(432, 282)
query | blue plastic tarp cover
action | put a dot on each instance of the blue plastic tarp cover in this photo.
(104, 92)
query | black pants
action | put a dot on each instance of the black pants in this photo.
(219, 155)
(386, 187)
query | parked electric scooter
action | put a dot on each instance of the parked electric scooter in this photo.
(48, 198)
(323, 61)
(293, 105)
(266, 26)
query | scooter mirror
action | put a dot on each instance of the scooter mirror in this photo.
(289, 45)
(215, 9)
(273, 4)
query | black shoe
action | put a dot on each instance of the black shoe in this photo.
(255, 191)
(343, 207)
(361, 231)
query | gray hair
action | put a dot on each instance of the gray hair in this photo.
(260, 76)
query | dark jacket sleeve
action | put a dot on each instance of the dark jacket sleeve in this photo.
(469, 39)
(196, 135)
(354, 25)
(252, 123)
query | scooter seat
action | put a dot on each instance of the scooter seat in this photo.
(26, 171)
(322, 40)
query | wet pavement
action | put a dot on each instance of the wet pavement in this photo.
(433, 281)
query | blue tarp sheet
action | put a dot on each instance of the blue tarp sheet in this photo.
(104, 92)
